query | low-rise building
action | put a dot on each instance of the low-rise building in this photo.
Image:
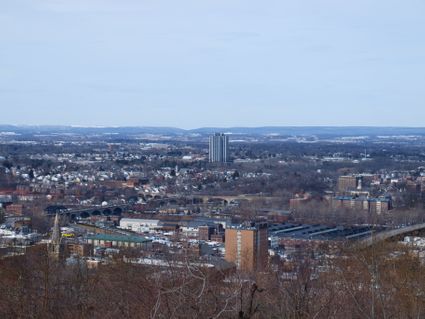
(377, 205)
(139, 225)
(80, 249)
(15, 209)
(105, 240)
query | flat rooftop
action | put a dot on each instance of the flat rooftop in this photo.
(320, 232)
(131, 239)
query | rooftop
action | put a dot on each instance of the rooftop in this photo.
(132, 239)
(320, 232)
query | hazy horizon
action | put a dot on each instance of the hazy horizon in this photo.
(159, 127)
(191, 64)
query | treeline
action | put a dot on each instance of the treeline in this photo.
(373, 283)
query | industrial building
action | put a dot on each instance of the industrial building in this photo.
(104, 240)
(139, 225)
(280, 233)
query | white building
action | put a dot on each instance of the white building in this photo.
(139, 225)
(189, 231)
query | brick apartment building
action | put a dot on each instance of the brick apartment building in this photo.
(247, 246)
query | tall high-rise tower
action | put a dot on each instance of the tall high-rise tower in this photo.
(219, 148)
(55, 247)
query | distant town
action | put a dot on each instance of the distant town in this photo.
(205, 218)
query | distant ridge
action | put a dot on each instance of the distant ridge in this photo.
(265, 130)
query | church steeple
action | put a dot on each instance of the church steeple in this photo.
(56, 234)
(55, 247)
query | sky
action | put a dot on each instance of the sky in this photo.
(217, 63)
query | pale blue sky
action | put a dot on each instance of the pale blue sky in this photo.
(212, 62)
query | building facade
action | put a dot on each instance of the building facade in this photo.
(205, 232)
(247, 246)
(78, 249)
(109, 241)
(139, 225)
(377, 205)
(219, 148)
(349, 183)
